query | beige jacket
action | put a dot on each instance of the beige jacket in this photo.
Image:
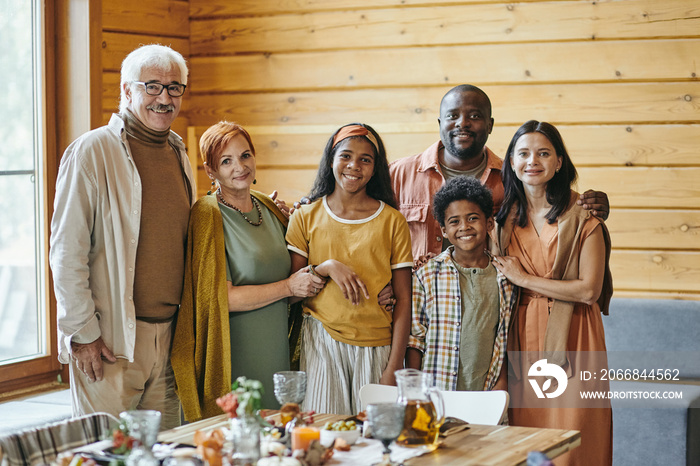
(94, 235)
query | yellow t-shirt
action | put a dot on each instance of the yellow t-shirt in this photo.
(372, 247)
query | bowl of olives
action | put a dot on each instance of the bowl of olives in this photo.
(347, 430)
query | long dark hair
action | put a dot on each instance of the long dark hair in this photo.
(558, 188)
(378, 187)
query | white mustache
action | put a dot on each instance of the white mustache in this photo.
(161, 107)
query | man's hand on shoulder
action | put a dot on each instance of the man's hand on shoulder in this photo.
(422, 260)
(303, 201)
(597, 202)
(88, 357)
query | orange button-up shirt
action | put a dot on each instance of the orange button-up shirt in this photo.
(415, 181)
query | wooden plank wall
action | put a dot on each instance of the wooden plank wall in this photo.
(128, 24)
(619, 78)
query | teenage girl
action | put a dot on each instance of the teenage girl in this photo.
(352, 234)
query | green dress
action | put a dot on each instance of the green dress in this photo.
(257, 256)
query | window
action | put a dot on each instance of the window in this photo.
(23, 313)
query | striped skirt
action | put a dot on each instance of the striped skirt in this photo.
(336, 371)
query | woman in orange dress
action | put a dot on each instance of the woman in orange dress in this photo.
(557, 253)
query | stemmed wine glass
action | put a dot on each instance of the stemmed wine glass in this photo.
(386, 421)
(290, 387)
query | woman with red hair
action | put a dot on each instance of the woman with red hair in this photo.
(233, 316)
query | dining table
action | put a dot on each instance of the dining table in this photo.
(477, 445)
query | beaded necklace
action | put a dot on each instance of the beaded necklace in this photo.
(255, 203)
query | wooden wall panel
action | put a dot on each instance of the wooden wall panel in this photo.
(446, 25)
(202, 9)
(154, 17)
(618, 78)
(656, 270)
(598, 61)
(654, 228)
(646, 186)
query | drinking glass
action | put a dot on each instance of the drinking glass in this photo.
(386, 422)
(143, 426)
(245, 437)
(290, 386)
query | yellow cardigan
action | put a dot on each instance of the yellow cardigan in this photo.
(201, 350)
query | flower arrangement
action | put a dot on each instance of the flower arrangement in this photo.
(245, 398)
(244, 403)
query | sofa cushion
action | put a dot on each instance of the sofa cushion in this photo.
(656, 431)
(654, 334)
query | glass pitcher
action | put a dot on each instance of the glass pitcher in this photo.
(425, 409)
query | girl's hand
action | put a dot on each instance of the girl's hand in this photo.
(350, 284)
(303, 284)
(386, 298)
(511, 268)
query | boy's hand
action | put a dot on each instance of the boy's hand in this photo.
(349, 282)
(597, 202)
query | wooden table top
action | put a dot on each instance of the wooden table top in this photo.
(479, 445)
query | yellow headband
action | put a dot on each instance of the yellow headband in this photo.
(355, 130)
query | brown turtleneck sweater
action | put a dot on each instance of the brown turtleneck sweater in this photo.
(165, 210)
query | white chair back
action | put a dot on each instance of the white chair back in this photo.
(486, 408)
(376, 393)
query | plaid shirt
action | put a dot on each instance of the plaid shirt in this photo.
(436, 320)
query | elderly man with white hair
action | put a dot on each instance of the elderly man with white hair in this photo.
(123, 197)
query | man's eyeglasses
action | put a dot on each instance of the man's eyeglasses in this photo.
(174, 90)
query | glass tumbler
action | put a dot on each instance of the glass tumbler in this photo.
(143, 426)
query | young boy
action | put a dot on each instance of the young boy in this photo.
(461, 303)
